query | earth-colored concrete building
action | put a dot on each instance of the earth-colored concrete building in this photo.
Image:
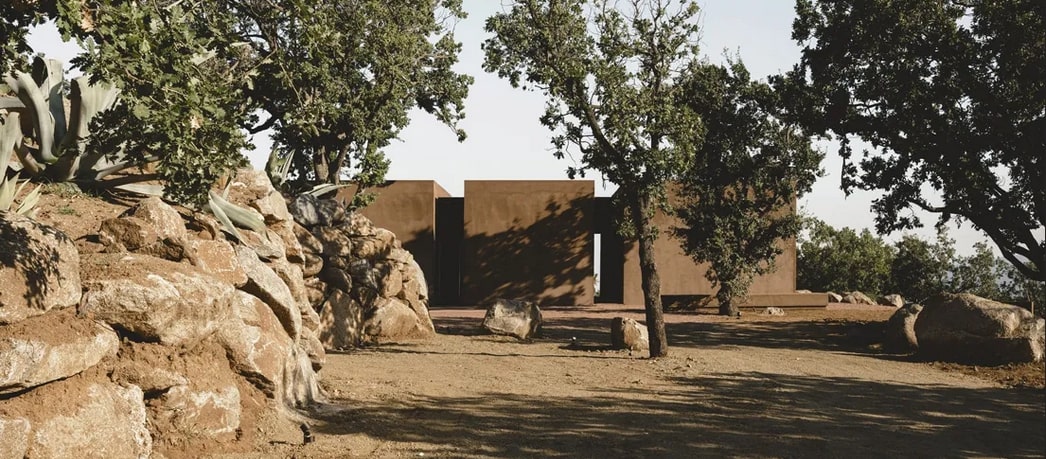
(535, 240)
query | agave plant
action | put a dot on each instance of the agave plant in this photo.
(44, 139)
(48, 144)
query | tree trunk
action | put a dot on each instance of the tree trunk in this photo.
(727, 306)
(655, 319)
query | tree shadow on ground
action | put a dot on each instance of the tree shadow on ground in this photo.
(829, 335)
(744, 414)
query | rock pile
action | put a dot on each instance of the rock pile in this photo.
(365, 285)
(174, 336)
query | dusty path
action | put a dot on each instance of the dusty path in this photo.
(805, 385)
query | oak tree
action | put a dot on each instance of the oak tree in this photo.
(739, 193)
(951, 96)
(611, 74)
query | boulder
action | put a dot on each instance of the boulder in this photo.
(211, 413)
(301, 386)
(969, 329)
(341, 322)
(358, 225)
(517, 317)
(51, 347)
(899, 337)
(308, 242)
(127, 233)
(39, 269)
(165, 222)
(390, 279)
(217, 258)
(391, 320)
(628, 334)
(370, 248)
(248, 186)
(256, 344)
(305, 210)
(310, 343)
(892, 299)
(82, 418)
(265, 284)
(856, 297)
(335, 243)
(14, 437)
(154, 300)
(834, 297)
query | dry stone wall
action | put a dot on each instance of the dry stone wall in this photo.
(364, 285)
(169, 339)
(175, 334)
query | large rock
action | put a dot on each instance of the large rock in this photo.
(628, 334)
(165, 222)
(211, 413)
(217, 258)
(51, 347)
(39, 269)
(834, 297)
(310, 211)
(391, 320)
(81, 418)
(153, 299)
(341, 322)
(256, 344)
(518, 318)
(900, 336)
(892, 299)
(969, 329)
(301, 386)
(14, 437)
(265, 284)
(858, 298)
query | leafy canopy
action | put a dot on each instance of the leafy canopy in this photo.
(748, 169)
(334, 79)
(951, 95)
(842, 260)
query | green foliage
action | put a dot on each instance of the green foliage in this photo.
(748, 169)
(338, 86)
(950, 95)
(9, 192)
(610, 73)
(841, 260)
(921, 269)
(979, 274)
(334, 79)
(52, 143)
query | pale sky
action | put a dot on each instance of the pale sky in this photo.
(506, 141)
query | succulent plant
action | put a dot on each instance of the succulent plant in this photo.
(56, 143)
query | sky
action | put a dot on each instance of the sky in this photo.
(506, 140)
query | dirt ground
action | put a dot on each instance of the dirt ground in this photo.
(808, 384)
(812, 383)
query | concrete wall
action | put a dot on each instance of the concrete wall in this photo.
(408, 209)
(529, 239)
